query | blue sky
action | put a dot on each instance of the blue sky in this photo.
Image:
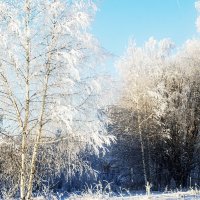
(119, 20)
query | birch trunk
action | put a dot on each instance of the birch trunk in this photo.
(27, 104)
(38, 138)
(141, 145)
(148, 146)
(22, 180)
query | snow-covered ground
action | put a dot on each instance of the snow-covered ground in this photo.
(172, 196)
(189, 195)
(165, 196)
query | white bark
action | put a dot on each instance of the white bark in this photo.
(38, 138)
(27, 103)
(142, 146)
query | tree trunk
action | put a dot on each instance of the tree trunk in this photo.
(22, 181)
(148, 146)
(39, 134)
(27, 109)
(142, 146)
(34, 156)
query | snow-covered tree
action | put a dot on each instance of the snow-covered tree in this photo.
(162, 93)
(180, 119)
(48, 84)
(139, 68)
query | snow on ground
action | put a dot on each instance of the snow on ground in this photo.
(172, 196)
(166, 196)
(189, 195)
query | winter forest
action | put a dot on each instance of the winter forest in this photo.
(72, 127)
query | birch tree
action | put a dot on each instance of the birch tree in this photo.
(48, 81)
(138, 69)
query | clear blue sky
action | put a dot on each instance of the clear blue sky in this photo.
(119, 20)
